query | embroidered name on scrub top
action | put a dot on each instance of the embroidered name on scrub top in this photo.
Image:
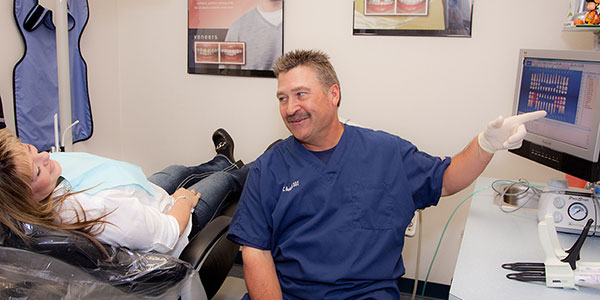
(93, 173)
(291, 186)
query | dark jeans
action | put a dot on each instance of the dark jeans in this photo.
(215, 180)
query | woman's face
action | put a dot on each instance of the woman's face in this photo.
(44, 172)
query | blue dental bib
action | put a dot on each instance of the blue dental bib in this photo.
(91, 174)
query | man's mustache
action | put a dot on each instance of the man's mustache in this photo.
(297, 116)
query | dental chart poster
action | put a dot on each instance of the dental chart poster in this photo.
(413, 17)
(234, 37)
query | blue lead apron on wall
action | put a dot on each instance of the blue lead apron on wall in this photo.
(35, 78)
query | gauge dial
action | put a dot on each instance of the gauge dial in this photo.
(578, 211)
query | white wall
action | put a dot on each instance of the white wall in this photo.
(436, 92)
(99, 49)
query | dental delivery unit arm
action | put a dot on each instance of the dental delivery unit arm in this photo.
(561, 268)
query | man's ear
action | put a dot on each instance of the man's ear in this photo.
(334, 94)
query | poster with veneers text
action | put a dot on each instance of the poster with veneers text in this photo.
(234, 37)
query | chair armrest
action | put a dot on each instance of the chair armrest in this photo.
(204, 240)
(212, 254)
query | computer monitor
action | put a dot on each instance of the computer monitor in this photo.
(566, 84)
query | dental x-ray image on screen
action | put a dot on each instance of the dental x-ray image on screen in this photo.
(566, 85)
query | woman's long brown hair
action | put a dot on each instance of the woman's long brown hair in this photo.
(17, 204)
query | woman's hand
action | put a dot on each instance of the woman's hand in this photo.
(189, 194)
(185, 200)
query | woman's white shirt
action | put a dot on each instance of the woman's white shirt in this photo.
(137, 220)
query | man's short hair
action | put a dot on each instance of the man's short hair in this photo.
(317, 60)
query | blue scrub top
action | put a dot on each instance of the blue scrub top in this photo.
(336, 230)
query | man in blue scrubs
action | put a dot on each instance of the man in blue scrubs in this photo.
(323, 212)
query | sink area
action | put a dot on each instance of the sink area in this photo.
(518, 195)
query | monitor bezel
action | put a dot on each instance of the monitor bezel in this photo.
(590, 154)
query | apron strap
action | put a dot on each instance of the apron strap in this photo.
(39, 14)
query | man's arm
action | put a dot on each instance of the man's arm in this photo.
(259, 273)
(465, 168)
(500, 134)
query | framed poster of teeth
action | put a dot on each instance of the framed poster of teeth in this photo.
(234, 37)
(413, 17)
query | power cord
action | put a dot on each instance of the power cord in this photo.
(419, 217)
(595, 199)
(493, 185)
(442, 236)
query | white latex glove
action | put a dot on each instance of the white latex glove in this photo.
(506, 133)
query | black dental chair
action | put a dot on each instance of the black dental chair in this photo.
(58, 264)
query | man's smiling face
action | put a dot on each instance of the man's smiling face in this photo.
(308, 109)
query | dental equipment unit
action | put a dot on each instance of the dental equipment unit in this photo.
(561, 268)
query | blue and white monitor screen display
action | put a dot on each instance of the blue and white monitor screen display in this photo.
(567, 91)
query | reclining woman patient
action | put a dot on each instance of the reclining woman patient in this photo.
(113, 201)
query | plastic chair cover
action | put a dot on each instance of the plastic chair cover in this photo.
(59, 264)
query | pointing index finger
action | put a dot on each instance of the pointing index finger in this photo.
(524, 118)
